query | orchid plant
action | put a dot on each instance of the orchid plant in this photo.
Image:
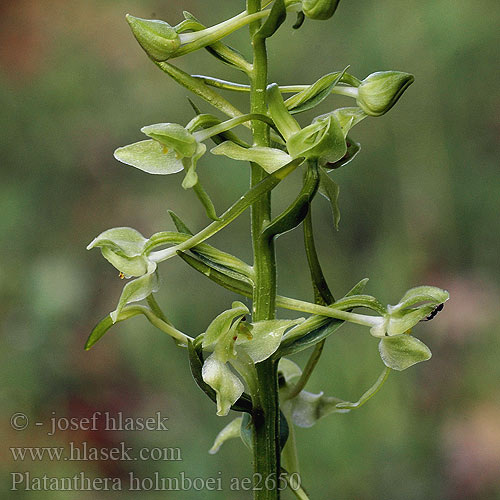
(242, 361)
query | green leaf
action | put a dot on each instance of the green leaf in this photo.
(286, 123)
(367, 301)
(315, 330)
(402, 351)
(330, 190)
(314, 94)
(296, 212)
(229, 55)
(179, 223)
(322, 293)
(227, 270)
(136, 290)
(357, 288)
(265, 338)
(230, 431)
(105, 324)
(149, 156)
(206, 121)
(199, 88)
(269, 159)
(227, 385)
(205, 200)
(367, 395)
(238, 285)
(275, 19)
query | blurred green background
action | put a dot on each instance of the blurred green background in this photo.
(419, 205)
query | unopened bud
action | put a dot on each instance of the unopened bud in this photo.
(379, 91)
(319, 9)
(158, 39)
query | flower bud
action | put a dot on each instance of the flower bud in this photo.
(319, 9)
(159, 40)
(379, 91)
(323, 140)
(174, 136)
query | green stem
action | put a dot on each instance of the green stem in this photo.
(297, 490)
(341, 89)
(289, 454)
(265, 417)
(199, 88)
(306, 374)
(155, 307)
(133, 310)
(257, 191)
(368, 394)
(199, 39)
(203, 135)
(330, 311)
(322, 293)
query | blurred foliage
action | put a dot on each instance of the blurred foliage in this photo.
(419, 204)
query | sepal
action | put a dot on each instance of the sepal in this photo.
(149, 156)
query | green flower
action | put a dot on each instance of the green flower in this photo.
(125, 249)
(398, 349)
(239, 344)
(171, 149)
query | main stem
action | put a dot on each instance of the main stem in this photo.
(266, 447)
